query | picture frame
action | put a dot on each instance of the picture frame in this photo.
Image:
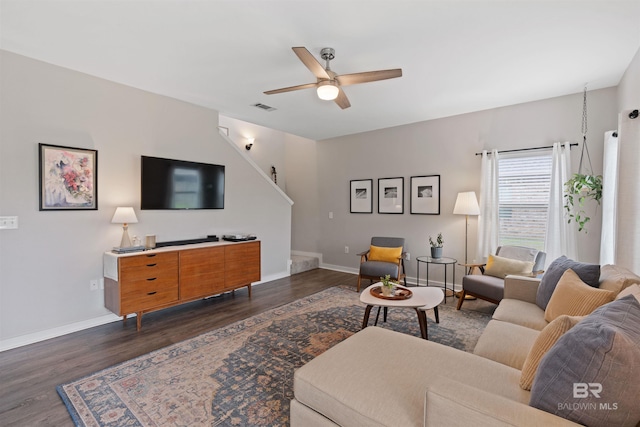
(68, 178)
(391, 195)
(361, 193)
(425, 195)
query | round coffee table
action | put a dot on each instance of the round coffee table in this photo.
(423, 299)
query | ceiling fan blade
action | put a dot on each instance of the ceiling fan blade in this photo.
(369, 76)
(291, 88)
(342, 100)
(311, 62)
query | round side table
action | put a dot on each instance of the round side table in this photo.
(441, 261)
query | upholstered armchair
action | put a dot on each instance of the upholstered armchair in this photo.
(489, 286)
(384, 256)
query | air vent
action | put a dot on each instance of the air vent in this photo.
(264, 107)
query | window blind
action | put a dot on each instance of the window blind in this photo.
(524, 181)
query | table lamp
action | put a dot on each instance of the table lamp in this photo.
(124, 216)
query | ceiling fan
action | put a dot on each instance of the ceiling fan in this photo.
(329, 84)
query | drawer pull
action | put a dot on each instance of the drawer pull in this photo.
(151, 279)
(152, 293)
(151, 255)
(151, 265)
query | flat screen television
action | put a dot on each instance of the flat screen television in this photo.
(179, 184)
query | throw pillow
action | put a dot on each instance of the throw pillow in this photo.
(545, 340)
(501, 267)
(573, 297)
(589, 273)
(378, 253)
(591, 375)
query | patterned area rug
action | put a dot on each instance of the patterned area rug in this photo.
(242, 374)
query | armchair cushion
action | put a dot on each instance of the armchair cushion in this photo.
(501, 267)
(377, 253)
(573, 297)
(588, 273)
(488, 286)
(378, 269)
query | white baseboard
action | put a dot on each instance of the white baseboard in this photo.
(90, 323)
(56, 332)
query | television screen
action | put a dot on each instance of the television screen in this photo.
(178, 184)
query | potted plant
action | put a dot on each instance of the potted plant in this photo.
(579, 188)
(388, 286)
(436, 246)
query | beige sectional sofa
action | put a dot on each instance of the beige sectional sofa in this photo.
(379, 377)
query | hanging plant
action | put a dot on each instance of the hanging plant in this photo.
(582, 186)
(579, 189)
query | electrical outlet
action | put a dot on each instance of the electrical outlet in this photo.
(330, 215)
(346, 249)
(8, 222)
(93, 285)
(408, 256)
(101, 281)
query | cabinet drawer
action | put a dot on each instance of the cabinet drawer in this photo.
(148, 259)
(142, 267)
(146, 295)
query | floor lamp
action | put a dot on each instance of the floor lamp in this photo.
(466, 204)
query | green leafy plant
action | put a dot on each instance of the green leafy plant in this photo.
(438, 243)
(387, 282)
(581, 188)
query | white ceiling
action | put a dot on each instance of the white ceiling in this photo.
(456, 56)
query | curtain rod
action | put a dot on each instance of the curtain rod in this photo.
(574, 144)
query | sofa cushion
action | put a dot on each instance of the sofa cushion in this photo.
(601, 354)
(378, 253)
(631, 290)
(520, 313)
(588, 273)
(501, 267)
(616, 278)
(379, 377)
(575, 298)
(506, 343)
(543, 342)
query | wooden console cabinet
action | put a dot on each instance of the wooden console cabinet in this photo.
(147, 281)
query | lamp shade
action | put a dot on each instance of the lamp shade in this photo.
(466, 204)
(327, 90)
(124, 215)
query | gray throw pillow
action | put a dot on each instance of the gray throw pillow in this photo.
(588, 273)
(591, 375)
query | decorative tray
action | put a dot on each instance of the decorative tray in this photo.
(400, 293)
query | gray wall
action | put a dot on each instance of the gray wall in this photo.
(445, 147)
(47, 263)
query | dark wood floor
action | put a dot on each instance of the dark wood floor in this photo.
(29, 374)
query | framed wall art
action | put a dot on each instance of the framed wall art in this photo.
(68, 178)
(391, 195)
(425, 195)
(361, 191)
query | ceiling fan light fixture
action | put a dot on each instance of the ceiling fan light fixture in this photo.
(328, 90)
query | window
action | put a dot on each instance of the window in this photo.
(524, 181)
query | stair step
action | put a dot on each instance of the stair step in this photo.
(300, 263)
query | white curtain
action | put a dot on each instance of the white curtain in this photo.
(561, 236)
(609, 198)
(628, 232)
(488, 225)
